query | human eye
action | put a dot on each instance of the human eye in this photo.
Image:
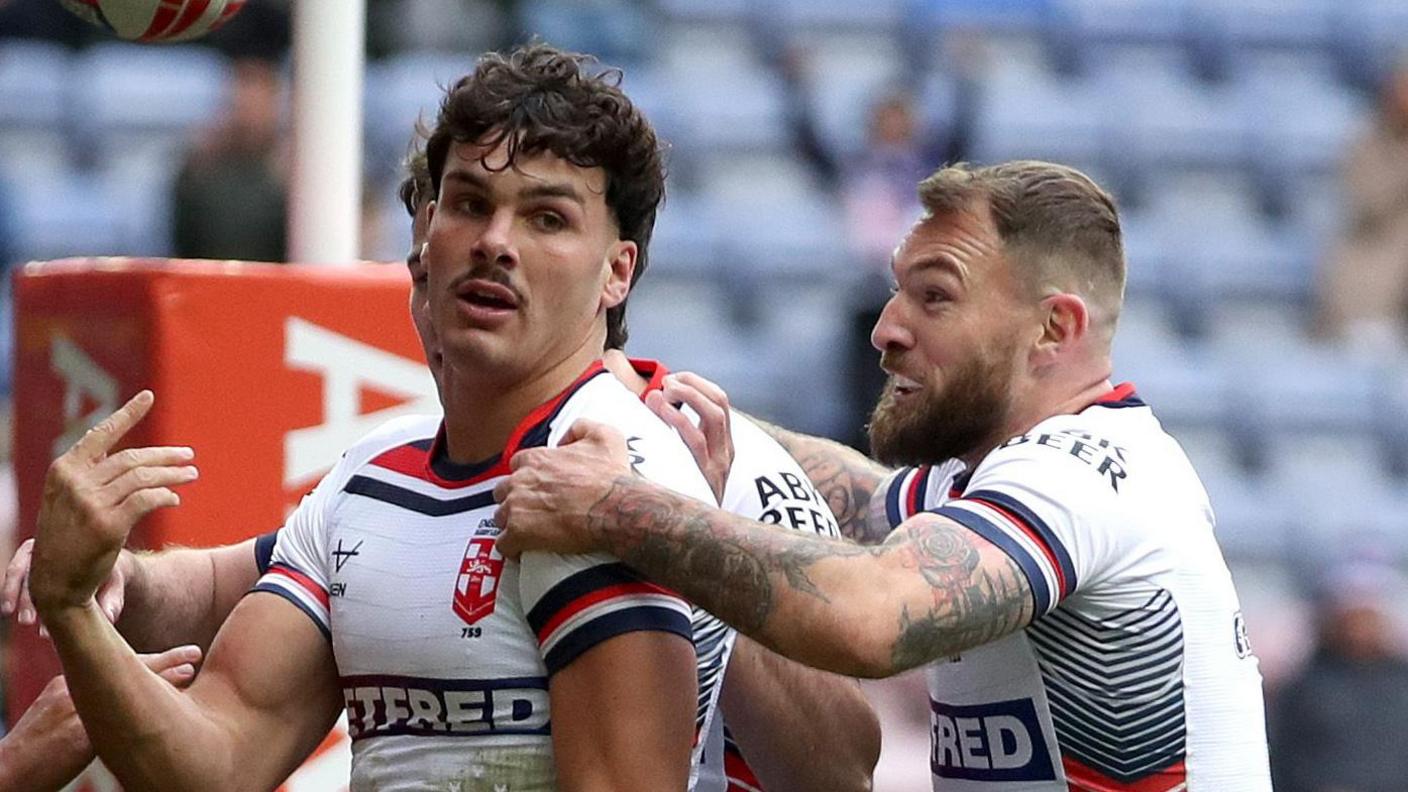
(549, 221)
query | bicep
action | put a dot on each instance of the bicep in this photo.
(623, 714)
(271, 679)
(956, 590)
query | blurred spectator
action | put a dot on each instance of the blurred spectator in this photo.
(903, 143)
(1339, 726)
(1365, 289)
(230, 196)
(44, 19)
(262, 29)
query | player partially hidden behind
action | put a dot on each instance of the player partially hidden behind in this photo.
(386, 595)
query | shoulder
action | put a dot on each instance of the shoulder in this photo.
(389, 436)
(1090, 453)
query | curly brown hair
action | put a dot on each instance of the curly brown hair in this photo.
(537, 98)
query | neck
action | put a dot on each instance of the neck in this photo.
(482, 411)
(1068, 401)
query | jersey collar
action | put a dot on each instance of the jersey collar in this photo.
(531, 432)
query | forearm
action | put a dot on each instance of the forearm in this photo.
(150, 735)
(848, 480)
(932, 590)
(182, 596)
(800, 729)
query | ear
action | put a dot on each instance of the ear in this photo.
(1065, 323)
(621, 265)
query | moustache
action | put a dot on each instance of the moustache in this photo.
(487, 272)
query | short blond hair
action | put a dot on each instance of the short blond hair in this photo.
(1057, 226)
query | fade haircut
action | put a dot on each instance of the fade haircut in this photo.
(536, 99)
(1057, 226)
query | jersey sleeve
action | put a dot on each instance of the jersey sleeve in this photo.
(1047, 511)
(297, 568)
(577, 602)
(905, 493)
(264, 551)
(574, 603)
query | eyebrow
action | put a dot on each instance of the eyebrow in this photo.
(939, 261)
(543, 190)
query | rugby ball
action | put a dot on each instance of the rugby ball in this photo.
(155, 20)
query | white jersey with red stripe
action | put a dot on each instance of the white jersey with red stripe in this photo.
(444, 648)
(765, 484)
(1136, 673)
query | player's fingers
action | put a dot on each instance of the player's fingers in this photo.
(502, 489)
(180, 675)
(711, 391)
(713, 416)
(143, 502)
(101, 438)
(172, 658)
(693, 438)
(111, 597)
(27, 613)
(16, 572)
(593, 433)
(144, 478)
(132, 458)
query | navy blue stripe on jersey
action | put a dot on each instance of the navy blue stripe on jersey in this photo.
(894, 498)
(643, 618)
(264, 550)
(577, 585)
(316, 619)
(1039, 527)
(1041, 594)
(414, 501)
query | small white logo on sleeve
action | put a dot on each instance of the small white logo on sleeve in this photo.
(1239, 629)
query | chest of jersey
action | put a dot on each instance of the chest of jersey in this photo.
(428, 630)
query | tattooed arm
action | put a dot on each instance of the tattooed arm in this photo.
(933, 589)
(852, 483)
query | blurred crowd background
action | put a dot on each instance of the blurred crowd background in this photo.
(1258, 150)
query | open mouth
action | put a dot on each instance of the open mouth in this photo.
(904, 386)
(488, 295)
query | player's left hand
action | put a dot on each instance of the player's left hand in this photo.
(545, 503)
(92, 499)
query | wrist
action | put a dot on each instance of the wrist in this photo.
(60, 615)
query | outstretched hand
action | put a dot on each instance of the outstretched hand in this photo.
(92, 499)
(545, 502)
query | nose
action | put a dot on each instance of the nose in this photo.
(890, 333)
(494, 244)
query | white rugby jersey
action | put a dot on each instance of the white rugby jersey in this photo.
(1136, 674)
(443, 647)
(765, 484)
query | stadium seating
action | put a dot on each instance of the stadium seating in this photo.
(1219, 124)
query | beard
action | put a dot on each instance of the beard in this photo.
(936, 426)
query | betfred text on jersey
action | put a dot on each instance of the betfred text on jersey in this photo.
(380, 705)
(999, 741)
